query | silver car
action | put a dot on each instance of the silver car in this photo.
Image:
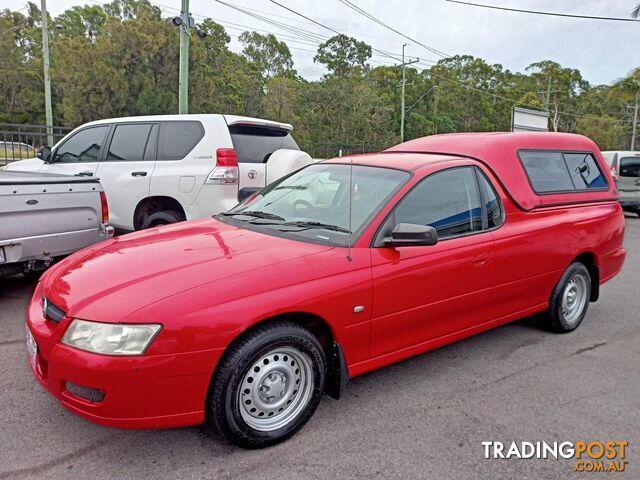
(626, 167)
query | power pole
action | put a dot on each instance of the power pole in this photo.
(47, 81)
(402, 110)
(635, 122)
(183, 93)
(548, 103)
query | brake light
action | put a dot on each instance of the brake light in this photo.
(226, 171)
(105, 208)
(226, 157)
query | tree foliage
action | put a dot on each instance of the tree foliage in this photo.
(342, 54)
(270, 56)
(121, 59)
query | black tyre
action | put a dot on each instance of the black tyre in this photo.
(163, 217)
(569, 299)
(267, 386)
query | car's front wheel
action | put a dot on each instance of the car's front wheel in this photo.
(268, 385)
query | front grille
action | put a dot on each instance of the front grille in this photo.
(51, 312)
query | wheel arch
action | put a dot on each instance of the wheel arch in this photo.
(590, 260)
(337, 372)
(155, 203)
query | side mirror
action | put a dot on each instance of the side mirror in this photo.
(411, 235)
(44, 153)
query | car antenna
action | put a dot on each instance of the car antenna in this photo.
(350, 201)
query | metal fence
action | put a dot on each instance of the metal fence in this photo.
(21, 140)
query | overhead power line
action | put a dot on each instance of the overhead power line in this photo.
(537, 12)
(397, 59)
(380, 22)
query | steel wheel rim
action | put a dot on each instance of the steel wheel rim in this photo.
(276, 389)
(574, 298)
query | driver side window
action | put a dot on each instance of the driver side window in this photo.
(83, 147)
(449, 201)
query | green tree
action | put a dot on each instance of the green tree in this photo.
(342, 54)
(559, 88)
(85, 20)
(270, 56)
(606, 131)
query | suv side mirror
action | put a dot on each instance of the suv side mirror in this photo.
(411, 235)
(44, 153)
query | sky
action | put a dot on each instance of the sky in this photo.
(604, 51)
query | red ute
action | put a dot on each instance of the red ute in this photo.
(341, 268)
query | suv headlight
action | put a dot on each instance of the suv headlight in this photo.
(110, 338)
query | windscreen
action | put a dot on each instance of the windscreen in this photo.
(322, 202)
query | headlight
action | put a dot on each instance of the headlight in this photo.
(110, 338)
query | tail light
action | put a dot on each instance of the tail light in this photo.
(105, 208)
(226, 171)
(614, 174)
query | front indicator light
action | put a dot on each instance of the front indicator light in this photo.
(110, 338)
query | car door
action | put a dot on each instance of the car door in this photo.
(425, 292)
(80, 153)
(125, 173)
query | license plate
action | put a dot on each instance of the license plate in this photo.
(3, 258)
(32, 348)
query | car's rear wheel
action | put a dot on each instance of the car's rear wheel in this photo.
(569, 299)
(163, 217)
(268, 385)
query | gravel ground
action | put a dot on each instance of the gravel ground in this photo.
(422, 418)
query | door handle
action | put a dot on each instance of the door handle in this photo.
(481, 259)
(138, 174)
(84, 174)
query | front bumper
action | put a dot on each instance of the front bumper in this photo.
(147, 391)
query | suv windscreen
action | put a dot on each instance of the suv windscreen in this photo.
(84, 146)
(254, 144)
(314, 203)
(630, 167)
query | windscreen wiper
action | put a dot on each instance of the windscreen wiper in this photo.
(310, 224)
(256, 214)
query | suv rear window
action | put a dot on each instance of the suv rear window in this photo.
(630, 167)
(254, 144)
(552, 172)
(178, 138)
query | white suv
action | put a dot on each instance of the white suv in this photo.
(167, 168)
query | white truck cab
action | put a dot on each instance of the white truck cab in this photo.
(168, 168)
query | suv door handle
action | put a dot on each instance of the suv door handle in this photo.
(84, 174)
(138, 174)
